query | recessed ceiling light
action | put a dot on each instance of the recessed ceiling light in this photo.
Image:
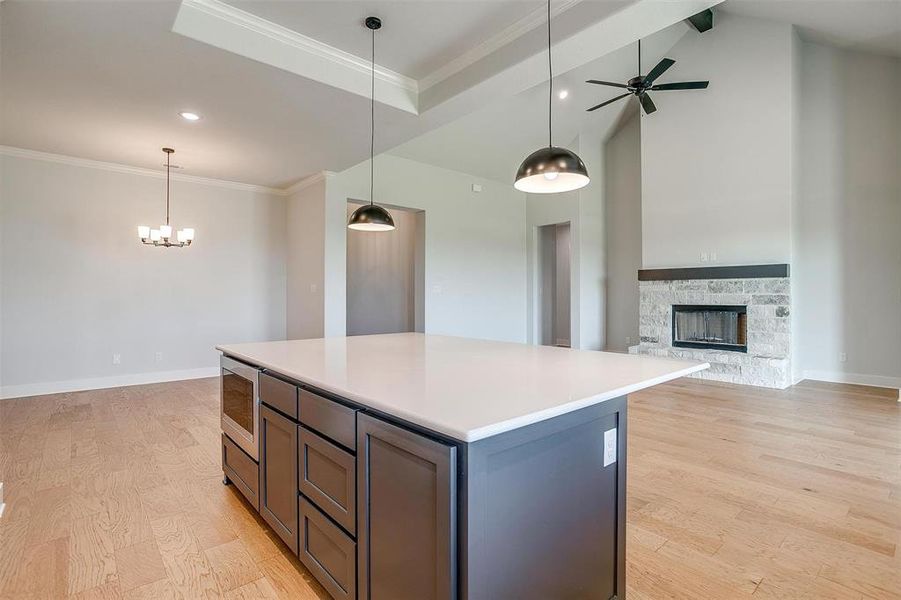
(563, 94)
(189, 116)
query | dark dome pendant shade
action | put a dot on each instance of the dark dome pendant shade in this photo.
(553, 169)
(371, 217)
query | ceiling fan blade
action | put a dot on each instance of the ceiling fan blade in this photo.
(684, 85)
(610, 83)
(657, 71)
(607, 102)
(647, 104)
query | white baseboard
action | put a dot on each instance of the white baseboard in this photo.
(855, 378)
(98, 383)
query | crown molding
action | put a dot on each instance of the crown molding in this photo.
(307, 182)
(235, 30)
(130, 170)
(531, 21)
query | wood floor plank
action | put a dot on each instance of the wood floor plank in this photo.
(91, 555)
(260, 589)
(139, 565)
(232, 565)
(186, 565)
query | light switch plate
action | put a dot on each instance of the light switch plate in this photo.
(609, 447)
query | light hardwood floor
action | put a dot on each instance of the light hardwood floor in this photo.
(733, 493)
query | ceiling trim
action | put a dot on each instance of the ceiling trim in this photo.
(308, 181)
(531, 21)
(232, 29)
(141, 171)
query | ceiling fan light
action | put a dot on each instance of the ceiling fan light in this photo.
(371, 217)
(551, 170)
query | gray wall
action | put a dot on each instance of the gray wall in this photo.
(717, 163)
(847, 267)
(562, 258)
(474, 248)
(78, 286)
(381, 277)
(623, 225)
(305, 240)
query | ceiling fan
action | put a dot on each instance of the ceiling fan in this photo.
(640, 86)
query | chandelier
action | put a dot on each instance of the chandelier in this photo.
(163, 235)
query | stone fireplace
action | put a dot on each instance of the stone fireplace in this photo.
(736, 318)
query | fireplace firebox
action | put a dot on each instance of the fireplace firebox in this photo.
(717, 327)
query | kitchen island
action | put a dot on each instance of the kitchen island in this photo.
(421, 466)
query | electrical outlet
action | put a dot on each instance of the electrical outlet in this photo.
(158, 357)
(313, 288)
(842, 357)
(609, 447)
(117, 359)
(477, 188)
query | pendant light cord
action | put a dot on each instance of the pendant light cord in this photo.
(550, 86)
(372, 123)
(168, 155)
(639, 57)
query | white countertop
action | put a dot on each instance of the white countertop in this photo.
(464, 388)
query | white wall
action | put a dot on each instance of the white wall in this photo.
(305, 254)
(474, 251)
(381, 277)
(847, 268)
(77, 285)
(622, 154)
(716, 163)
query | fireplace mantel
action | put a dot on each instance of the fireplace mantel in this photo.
(725, 272)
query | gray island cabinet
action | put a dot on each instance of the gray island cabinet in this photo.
(384, 496)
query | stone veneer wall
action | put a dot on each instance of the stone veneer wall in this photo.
(768, 360)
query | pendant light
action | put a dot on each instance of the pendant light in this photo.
(163, 236)
(371, 217)
(553, 169)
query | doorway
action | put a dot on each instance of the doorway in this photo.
(554, 289)
(385, 276)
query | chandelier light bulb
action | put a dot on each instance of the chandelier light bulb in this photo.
(189, 233)
(166, 231)
(180, 235)
(143, 232)
(155, 235)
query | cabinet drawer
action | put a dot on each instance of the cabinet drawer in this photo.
(329, 418)
(328, 552)
(328, 478)
(241, 470)
(279, 394)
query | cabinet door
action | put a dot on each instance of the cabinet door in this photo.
(278, 474)
(407, 498)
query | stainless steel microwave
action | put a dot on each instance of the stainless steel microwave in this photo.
(239, 392)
